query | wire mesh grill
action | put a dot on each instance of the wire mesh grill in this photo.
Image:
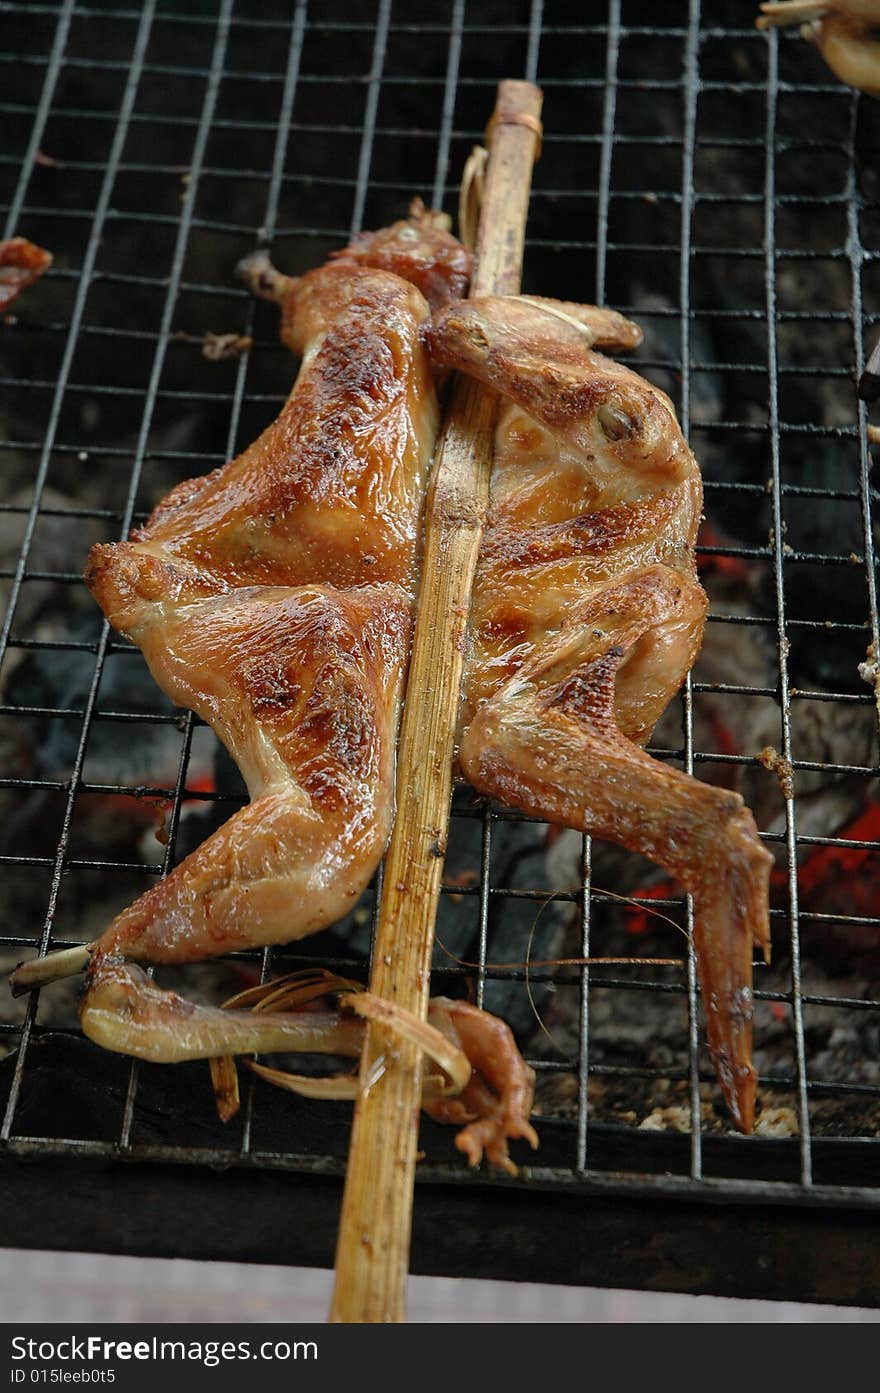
(150, 148)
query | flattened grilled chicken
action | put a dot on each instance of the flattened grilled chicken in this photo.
(274, 597)
(586, 617)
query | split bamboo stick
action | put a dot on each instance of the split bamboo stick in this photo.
(372, 1255)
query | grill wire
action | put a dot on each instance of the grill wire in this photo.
(161, 120)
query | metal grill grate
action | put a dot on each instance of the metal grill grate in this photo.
(686, 180)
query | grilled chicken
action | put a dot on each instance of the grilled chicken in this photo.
(274, 598)
(844, 32)
(586, 616)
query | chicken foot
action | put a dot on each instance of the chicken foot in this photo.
(123, 1010)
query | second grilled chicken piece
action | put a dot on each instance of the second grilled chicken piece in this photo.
(586, 617)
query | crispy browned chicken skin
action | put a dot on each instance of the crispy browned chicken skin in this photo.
(274, 598)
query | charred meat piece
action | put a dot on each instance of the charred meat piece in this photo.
(21, 263)
(844, 32)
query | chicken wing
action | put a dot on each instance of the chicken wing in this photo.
(586, 616)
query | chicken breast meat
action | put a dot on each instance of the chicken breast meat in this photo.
(274, 597)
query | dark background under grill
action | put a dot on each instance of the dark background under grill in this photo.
(719, 186)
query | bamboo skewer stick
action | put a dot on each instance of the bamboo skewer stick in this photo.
(372, 1254)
